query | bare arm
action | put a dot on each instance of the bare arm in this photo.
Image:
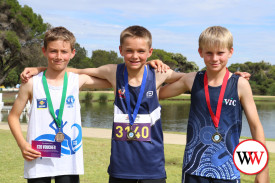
(184, 84)
(24, 95)
(86, 81)
(256, 128)
(29, 72)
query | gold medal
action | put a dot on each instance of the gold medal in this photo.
(216, 137)
(131, 135)
(59, 137)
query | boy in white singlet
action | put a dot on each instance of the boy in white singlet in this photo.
(52, 93)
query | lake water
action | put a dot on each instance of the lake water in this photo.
(174, 116)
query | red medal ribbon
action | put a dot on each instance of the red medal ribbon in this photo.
(215, 118)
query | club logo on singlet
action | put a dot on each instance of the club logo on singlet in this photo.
(149, 94)
(70, 101)
(229, 102)
(42, 103)
(121, 93)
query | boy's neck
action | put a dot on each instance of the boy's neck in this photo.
(54, 77)
(215, 78)
(135, 76)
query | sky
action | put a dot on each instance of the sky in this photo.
(175, 24)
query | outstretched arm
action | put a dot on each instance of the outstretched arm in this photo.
(256, 128)
(86, 81)
(23, 96)
(184, 84)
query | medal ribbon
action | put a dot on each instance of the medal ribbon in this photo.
(127, 93)
(48, 96)
(215, 118)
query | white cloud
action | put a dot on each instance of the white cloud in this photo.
(175, 24)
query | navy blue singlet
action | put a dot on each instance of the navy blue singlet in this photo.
(202, 156)
(135, 159)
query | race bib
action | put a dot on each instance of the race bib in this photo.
(141, 127)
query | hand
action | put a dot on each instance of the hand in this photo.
(28, 153)
(28, 73)
(159, 65)
(245, 75)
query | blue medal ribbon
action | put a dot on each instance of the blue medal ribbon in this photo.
(127, 94)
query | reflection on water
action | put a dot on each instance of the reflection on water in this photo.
(174, 116)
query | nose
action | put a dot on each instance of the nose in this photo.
(135, 55)
(58, 55)
(215, 57)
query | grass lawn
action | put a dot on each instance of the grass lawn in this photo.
(96, 159)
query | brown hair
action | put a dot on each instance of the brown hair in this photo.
(216, 36)
(136, 31)
(59, 33)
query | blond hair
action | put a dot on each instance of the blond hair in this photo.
(216, 37)
(59, 33)
(136, 31)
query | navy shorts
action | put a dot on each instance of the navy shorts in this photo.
(117, 180)
(197, 179)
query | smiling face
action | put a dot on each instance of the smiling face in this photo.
(58, 53)
(215, 59)
(135, 51)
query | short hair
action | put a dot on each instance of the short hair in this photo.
(136, 31)
(59, 33)
(216, 36)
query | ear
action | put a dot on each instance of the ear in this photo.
(120, 50)
(231, 52)
(44, 51)
(200, 52)
(150, 52)
(73, 53)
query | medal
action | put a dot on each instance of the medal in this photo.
(216, 137)
(131, 134)
(59, 137)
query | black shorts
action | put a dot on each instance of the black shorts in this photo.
(117, 180)
(58, 179)
(197, 179)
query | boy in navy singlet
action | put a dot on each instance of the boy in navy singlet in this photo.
(212, 139)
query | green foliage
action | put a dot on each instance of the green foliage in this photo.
(21, 30)
(103, 98)
(262, 79)
(80, 59)
(176, 61)
(102, 57)
(88, 96)
(12, 78)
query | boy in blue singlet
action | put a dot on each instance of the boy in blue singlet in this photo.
(137, 152)
(214, 130)
(61, 89)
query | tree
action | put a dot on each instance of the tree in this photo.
(20, 31)
(80, 59)
(176, 61)
(102, 57)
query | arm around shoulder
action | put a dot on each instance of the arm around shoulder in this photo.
(86, 81)
(182, 85)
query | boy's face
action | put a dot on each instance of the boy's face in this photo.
(58, 53)
(135, 52)
(215, 58)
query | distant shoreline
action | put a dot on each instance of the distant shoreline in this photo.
(9, 97)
